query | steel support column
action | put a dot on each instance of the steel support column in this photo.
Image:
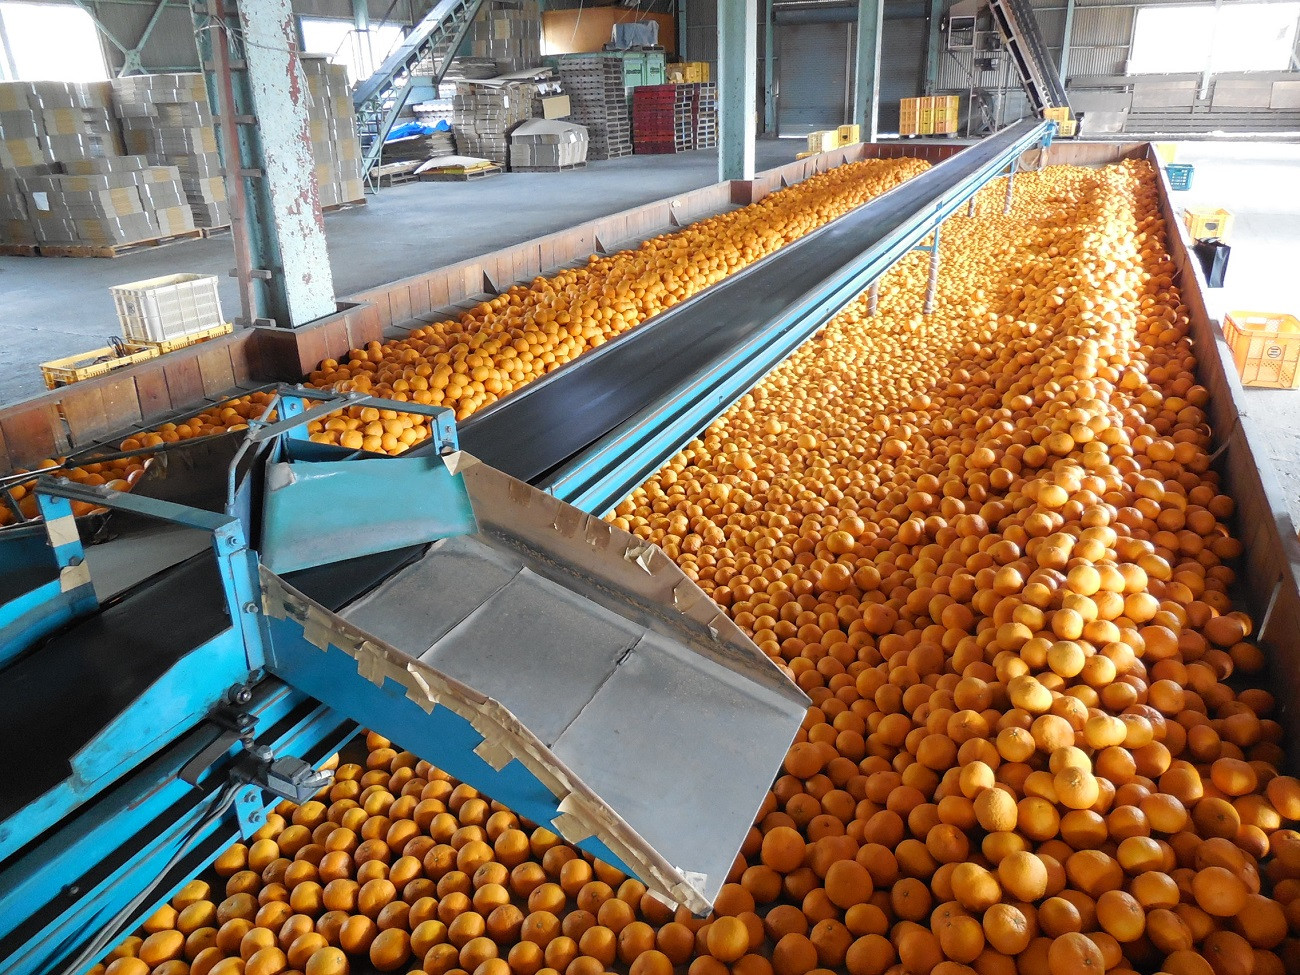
(266, 152)
(737, 87)
(361, 21)
(1067, 35)
(769, 68)
(866, 100)
(934, 44)
(680, 8)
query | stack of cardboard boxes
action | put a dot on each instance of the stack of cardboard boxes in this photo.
(485, 113)
(547, 145)
(166, 117)
(49, 121)
(107, 202)
(336, 149)
(508, 32)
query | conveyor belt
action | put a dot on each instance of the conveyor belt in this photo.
(58, 699)
(555, 418)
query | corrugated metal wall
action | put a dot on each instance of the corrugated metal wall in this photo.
(902, 66)
(813, 76)
(702, 30)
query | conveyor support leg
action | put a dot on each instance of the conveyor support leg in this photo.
(932, 285)
(970, 206)
(873, 297)
(1011, 178)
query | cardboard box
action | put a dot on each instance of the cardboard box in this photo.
(22, 153)
(16, 124)
(555, 106)
(14, 97)
(109, 164)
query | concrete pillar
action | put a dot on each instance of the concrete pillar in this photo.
(769, 68)
(866, 100)
(737, 87)
(261, 96)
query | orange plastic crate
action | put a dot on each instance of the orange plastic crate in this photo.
(1266, 348)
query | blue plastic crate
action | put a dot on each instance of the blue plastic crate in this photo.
(1180, 175)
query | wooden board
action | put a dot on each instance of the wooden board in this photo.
(463, 177)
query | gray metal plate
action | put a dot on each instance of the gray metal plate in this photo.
(621, 670)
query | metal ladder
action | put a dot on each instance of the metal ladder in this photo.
(1019, 28)
(380, 98)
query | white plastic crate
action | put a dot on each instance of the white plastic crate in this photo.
(168, 307)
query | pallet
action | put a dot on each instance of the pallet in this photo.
(115, 250)
(346, 205)
(97, 362)
(214, 231)
(548, 169)
(185, 341)
(432, 177)
(17, 250)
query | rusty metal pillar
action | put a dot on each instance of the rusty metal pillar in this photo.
(249, 52)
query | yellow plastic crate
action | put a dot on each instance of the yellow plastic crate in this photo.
(1265, 346)
(1068, 129)
(849, 134)
(1054, 114)
(824, 140)
(194, 338)
(1206, 222)
(1166, 152)
(96, 362)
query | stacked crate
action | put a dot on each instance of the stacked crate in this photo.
(931, 115)
(685, 107)
(594, 83)
(508, 32)
(947, 109)
(654, 118)
(706, 115)
(335, 148)
(688, 72)
(167, 118)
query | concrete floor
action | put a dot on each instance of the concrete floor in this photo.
(1258, 184)
(55, 307)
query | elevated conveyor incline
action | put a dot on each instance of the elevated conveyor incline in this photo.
(1038, 71)
(592, 430)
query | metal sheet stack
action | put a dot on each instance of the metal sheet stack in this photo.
(335, 146)
(167, 118)
(546, 145)
(594, 84)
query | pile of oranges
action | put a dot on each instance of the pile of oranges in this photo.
(989, 545)
(531, 330)
(122, 474)
(526, 332)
